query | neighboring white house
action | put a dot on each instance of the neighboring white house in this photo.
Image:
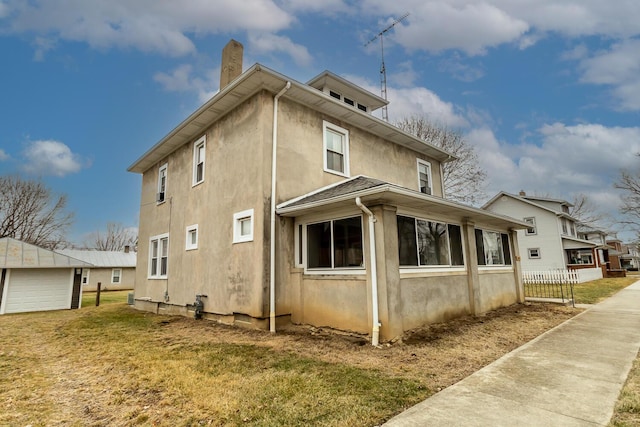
(552, 241)
(37, 279)
(114, 270)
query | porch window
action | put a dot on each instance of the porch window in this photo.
(428, 243)
(335, 244)
(492, 248)
(580, 256)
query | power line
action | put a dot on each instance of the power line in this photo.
(383, 69)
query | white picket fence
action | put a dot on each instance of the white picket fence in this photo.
(550, 277)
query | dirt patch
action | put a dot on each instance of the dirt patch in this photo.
(439, 354)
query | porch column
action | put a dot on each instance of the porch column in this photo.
(389, 292)
(471, 257)
(517, 266)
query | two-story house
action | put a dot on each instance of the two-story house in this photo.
(551, 241)
(286, 202)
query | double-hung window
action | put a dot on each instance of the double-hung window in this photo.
(492, 248)
(530, 231)
(116, 274)
(428, 243)
(335, 244)
(199, 151)
(424, 177)
(158, 256)
(162, 183)
(336, 149)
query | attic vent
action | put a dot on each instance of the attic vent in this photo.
(335, 94)
(349, 101)
(362, 107)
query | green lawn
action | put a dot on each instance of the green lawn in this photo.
(597, 290)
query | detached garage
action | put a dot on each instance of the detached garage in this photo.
(37, 279)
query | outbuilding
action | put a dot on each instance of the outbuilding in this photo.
(37, 279)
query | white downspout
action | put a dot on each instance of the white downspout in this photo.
(375, 332)
(272, 239)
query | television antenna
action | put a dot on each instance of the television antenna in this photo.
(383, 70)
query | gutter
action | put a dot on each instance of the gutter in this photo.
(375, 330)
(272, 239)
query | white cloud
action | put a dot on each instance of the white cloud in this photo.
(182, 79)
(475, 26)
(267, 43)
(471, 27)
(585, 158)
(421, 101)
(618, 67)
(146, 25)
(48, 157)
(3, 155)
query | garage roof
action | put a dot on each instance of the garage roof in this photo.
(18, 254)
(102, 258)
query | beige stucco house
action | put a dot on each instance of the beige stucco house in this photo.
(288, 202)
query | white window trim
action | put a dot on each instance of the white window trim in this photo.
(533, 225)
(326, 125)
(531, 256)
(88, 271)
(188, 245)
(200, 142)
(238, 217)
(159, 238)
(429, 174)
(119, 276)
(331, 271)
(162, 168)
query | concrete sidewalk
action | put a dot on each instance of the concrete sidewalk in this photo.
(569, 376)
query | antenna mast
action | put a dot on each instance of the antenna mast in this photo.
(383, 70)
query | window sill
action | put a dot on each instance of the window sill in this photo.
(157, 277)
(195, 184)
(337, 272)
(432, 271)
(342, 174)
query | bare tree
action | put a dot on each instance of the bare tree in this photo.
(463, 178)
(31, 212)
(587, 213)
(629, 183)
(115, 238)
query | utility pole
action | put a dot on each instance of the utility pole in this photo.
(383, 70)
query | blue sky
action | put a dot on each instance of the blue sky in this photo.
(547, 91)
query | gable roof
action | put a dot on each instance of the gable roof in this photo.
(373, 191)
(531, 203)
(103, 258)
(18, 254)
(259, 78)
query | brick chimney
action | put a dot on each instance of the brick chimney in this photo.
(231, 66)
(522, 193)
(126, 249)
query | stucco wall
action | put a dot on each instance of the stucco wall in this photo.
(336, 302)
(497, 289)
(300, 155)
(231, 275)
(433, 299)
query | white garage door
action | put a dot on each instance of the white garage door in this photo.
(38, 290)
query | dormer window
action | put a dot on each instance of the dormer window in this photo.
(362, 107)
(335, 94)
(349, 101)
